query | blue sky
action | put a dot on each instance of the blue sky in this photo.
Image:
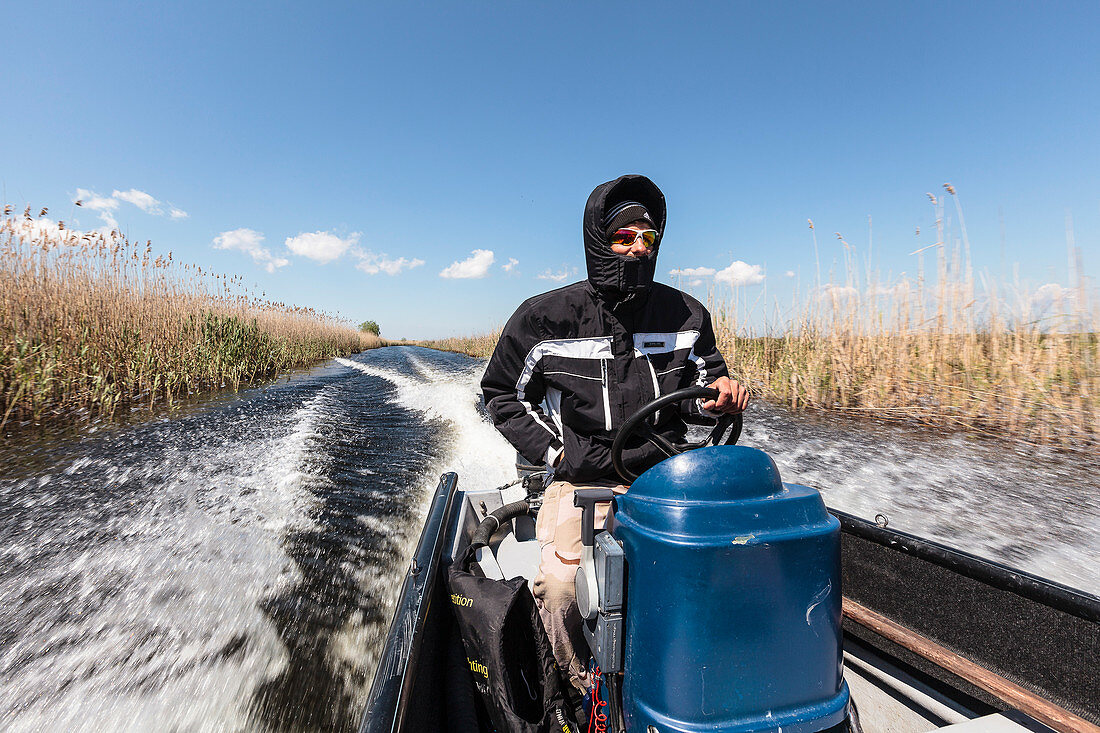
(315, 148)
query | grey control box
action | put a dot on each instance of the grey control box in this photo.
(605, 639)
(607, 555)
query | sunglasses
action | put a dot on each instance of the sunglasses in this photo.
(627, 237)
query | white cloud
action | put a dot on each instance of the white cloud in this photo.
(103, 204)
(788, 273)
(475, 266)
(510, 264)
(140, 199)
(322, 247)
(42, 229)
(372, 263)
(741, 273)
(836, 293)
(557, 276)
(92, 200)
(1050, 295)
(250, 242)
(737, 274)
(107, 204)
(693, 272)
(887, 291)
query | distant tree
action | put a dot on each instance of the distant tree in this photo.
(370, 327)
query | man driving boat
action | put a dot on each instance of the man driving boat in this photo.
(572, 364)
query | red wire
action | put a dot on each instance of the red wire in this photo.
(601, 719)
(592, 713)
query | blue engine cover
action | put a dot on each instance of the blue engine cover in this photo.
(733, 598)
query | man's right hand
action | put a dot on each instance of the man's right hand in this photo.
(732, 397)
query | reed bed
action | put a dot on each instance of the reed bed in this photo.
(950, 350)
(1015, 381)
(90, 321)
(478, 345)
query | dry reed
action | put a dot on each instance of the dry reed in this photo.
(91, 321)
(478, 345)
(1021, 383)
(954, 351)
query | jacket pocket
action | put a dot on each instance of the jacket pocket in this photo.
(585, 458)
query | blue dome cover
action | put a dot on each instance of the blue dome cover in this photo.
(732, 618)
(724, 490)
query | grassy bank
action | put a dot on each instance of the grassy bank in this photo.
(478, 345)
(92, 321)
(948, 348)
(1019, 382)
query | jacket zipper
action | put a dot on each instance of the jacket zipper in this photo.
(656, 386)
(606, 397)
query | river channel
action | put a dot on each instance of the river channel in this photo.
(231, 565)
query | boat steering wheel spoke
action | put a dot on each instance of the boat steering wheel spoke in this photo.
(638, 425)
(663, 444)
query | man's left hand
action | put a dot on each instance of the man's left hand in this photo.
(732, 397)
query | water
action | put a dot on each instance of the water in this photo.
(233, 565)
(1033, 509)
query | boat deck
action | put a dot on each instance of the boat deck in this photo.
(891, 700)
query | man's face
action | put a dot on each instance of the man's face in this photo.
(638, 248)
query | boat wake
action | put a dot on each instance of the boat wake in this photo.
(476, 451)
(131, 577)
(1032, 509)
(1016, 506)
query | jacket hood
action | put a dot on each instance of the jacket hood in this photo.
(618, 276)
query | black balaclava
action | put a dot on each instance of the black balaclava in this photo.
(618, 277)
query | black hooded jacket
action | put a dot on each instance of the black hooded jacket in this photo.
(572, 364)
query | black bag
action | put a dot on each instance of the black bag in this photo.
(508, 652)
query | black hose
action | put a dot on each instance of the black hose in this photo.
(612, 683)
(491, 523)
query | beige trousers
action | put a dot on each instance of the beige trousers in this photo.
(558, 530)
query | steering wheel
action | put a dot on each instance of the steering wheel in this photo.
(638, 423)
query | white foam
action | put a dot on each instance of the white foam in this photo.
(477, 451)
(1016, 506)
(150, 614)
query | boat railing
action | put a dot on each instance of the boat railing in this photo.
(389, 702)
(1007, 638)
(994, 574)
